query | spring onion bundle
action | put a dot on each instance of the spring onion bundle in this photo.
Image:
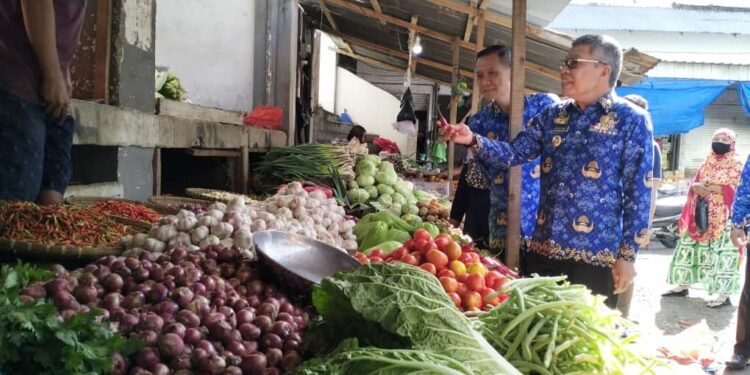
(307, 162)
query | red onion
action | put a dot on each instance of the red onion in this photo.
(206, 345)
(102, 272)
(254, 363)
(188, 318)
(250, 346)
(232, 370)
(236, 347)
(64, 300)
(233, 281)
(271, 371)
(255, 287)
(119, 364)
(210, 266)
(147, 358)
(160, 369)
(151, 322)
(241, 290)
(213, 365)
(85, 293)
(286, 317)
(290, 361)
(200, 306)
(158, 293)
(273, 356)
(132, 262)
(183, 296)
(263, 322)
(245, 316)
(282, 329)
(233, 335)
(178, 254)
(157, 273)
(34, 290)
(133, 300)
(128, 322)
(226, 254)
(192, 336)
(55, 285)
(67, 314)
(141, 274)
(208, 282)
(176, 271)
(171, 345)
(219, 330)
(116, 313)
(90, 268)
(271, 340)
(181, 362)
(166, 307)
(244, 274)
(291, 345)
(149, 337)
(112, 282)
(176, 328)
(253, 300)
(148, 256)
(199, 289)
(269, 310)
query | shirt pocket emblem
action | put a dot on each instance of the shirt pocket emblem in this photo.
(607, 124)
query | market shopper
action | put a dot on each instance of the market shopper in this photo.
(38, 39)
(471, 206)
(357, 132)
(705, 256)
(740, 216)
(625, 298)
(492, 121)
(596, 155)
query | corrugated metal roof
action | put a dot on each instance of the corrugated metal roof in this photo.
(702, 71)
(448, 22)
(679, 18)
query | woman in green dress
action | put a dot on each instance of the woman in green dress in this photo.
(707, 257)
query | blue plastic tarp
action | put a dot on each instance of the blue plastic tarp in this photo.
(676, 105)
(743, 90)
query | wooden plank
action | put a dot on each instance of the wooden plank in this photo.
(328, 15)
(475, 100)
(201, 152)
(454, 109)
(376, 5)
(157, 171)
(543, 35)
(412, 40)
(513, 230)
(103, 35)
(470, 21)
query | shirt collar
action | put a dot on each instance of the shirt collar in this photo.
(606, 102)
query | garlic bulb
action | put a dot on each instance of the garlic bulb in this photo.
(198, 234)
(187, 223)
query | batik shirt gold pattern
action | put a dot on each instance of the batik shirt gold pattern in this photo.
(741, 206)
(595, 188)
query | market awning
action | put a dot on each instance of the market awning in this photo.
(377, 32)
(676, 105)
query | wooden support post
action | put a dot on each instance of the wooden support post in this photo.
(157, 171)
(413, 40)
(513, 231)
(244, 163)
(454, 110)
(479, 46)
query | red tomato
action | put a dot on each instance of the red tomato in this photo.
(498, 283)
(453, 250)
(472, 300)
(442, 243)
(410, 259)
(449, 284)
(446, 272)
(419, 245)
(425, 247)
(465, 258)
(422, 234)
(475, 282)
(502, 297)
(418, 256)
(376, 253)
(485, 292)
(455, 298)
(462, 277)
(400, 252)
(462, 289)
(376, 259)
(363, 261)
(438, 258)
(490, 277)
(444, 235)
(409, 244)
(429, 267)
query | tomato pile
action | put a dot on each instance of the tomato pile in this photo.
(468, 277)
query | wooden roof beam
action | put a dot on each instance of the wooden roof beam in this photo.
(376, 5)
(470, 22)
(332, 21)
(534, 32)
(386, 66)
(547, 72)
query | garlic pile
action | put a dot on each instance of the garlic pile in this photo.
(292, 209)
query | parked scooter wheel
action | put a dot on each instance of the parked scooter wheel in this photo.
(668, 242)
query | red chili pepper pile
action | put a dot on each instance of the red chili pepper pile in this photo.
(59, 225)
(127, 210)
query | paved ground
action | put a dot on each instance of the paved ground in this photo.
(660, 318)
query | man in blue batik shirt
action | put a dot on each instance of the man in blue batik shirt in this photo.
(740, 215)
(597, 159)
(493, 75)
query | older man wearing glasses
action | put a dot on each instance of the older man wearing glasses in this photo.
(596, 156)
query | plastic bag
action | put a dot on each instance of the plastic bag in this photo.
(264, 117)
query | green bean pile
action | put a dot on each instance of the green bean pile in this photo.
(548, 326)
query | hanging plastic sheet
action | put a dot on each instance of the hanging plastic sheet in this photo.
(676, 105)
(743, 90)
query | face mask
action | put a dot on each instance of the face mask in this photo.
(720, 148)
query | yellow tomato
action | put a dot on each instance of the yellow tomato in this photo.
(476, 267)
(458, 267)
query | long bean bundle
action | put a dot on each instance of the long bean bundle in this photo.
(307, 162)
(548, 326)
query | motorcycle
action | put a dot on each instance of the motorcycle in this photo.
(669, 203)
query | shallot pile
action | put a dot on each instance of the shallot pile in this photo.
(197, 312)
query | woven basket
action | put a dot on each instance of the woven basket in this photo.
(211, 195)
(141, 226)
(90, 201)
(55, 253)
(168, 200)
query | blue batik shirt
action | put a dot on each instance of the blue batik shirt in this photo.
(596, 179)
(493, 123)
(741, 205)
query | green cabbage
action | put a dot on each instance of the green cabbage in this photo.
(374, 159)
(352, 185)
(395, 208)
(398, 235)
(412, 219)
(429, 227)
(365, 180)
(388, 178)
(366, 168)
(384, 189)
(385, 200)
(410, 209)
(398, 199)
(358, 195)
(386, 166)
(373, 191)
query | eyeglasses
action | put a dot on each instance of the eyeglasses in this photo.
(572, 62)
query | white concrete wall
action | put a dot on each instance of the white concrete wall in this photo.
(209, 45)
(371, 107)
(327, 73)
